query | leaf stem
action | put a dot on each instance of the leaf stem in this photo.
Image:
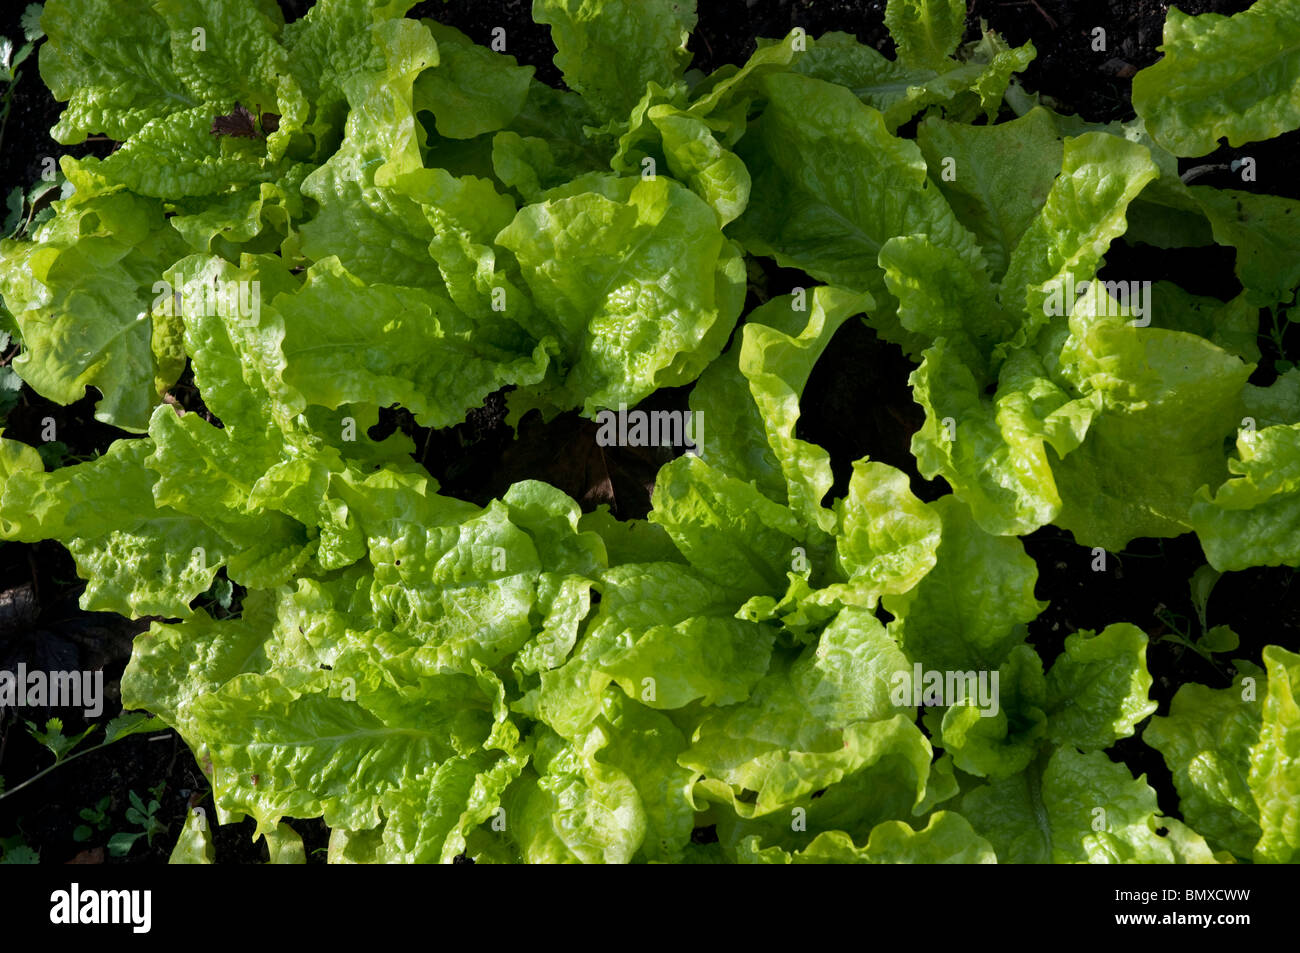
(59, 762)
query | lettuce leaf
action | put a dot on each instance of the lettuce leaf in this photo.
(926, 31)
(807, 153)
(970, 610)
(1229, 751)
(1251, 519)
(81, 294)
(634, 279)
(1097, 689)
(1070, 808)
(947, 839)
(610, 49)
(995, 177)
(1222, 77)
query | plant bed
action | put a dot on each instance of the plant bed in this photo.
(369, 530)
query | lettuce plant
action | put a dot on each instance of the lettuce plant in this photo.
(358, 210)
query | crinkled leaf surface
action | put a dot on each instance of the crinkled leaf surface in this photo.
(608, 50)
(1230, 77)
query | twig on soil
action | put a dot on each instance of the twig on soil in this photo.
(705, 40)
(172, 763)
(36, 586)
(1033, 3)
(1194, 173)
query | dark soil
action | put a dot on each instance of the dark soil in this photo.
(856, 404)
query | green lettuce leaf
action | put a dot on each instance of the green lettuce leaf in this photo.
(668, 637)
(888, 539)
(994, 452)
(1084, 211)
(1097, 689)
(971, 609)
(1070, 808)
(1273, 780)
(1223, 76)
(941, 296)
(1165, 395)
(209, 57)
(730, 533)
(329, 45)
(92, 59)
(644, 745)
(1206, 740)
(947, 839)
(750, 397)
(808, 155)
(279, 751)
(472, 90)
(81, 296)
(1253, 518)
(995, 177)
(577, 809)
(777, 366)
(609, 50)
(419, 349)
(811, 721)
(1265, 232)
(630, 541)
(628, 321)
(137, 558)
(698, 158)
(1278, 403)
(878, 776)
(1002, 743)
(378, 233)
(926, 32)
(284, 846)
(961, 88)
(257, 219)
(1232, 754)
(1231, 325)
(194, 846)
